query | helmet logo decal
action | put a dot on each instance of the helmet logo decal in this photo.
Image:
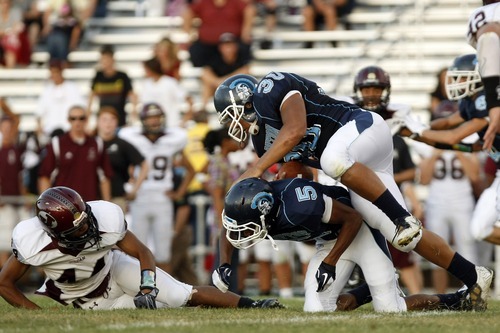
(47, 219)
(263, 202)
(243, 88)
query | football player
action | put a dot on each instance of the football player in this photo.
(74, 243)
(484, 35)
(372, 91)
(302, 210)
(464, 84)
(152, 210)
(290, 117)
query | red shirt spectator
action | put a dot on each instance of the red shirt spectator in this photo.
(78, 161)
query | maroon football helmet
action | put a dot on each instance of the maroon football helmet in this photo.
(372, 76)
(153, 110)
(62, 213)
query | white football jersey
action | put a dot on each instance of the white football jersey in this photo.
(70, 277)
(479, 17)
(449, 183)
(159, 155)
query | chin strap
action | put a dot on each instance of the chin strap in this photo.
(273, 243)
(254, 128)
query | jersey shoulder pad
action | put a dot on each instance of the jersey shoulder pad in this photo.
(28, 239)
(110, 218)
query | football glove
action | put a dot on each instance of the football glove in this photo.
(146, 301)
(325, 275)
(415, 125)
(220, 277)
(395, 124)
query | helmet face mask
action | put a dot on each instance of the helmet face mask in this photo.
(372, 77)
(247, 211)
(67, 219)
(462, 78)
(233, 102)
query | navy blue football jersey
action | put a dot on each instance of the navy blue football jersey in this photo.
(325, 115)
(476, 108)
(301, 210)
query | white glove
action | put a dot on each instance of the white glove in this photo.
(414, 125)
(395, 125)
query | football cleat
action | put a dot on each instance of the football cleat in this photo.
(479, 291)
(407, 229)
(464, 302)
(268, 303)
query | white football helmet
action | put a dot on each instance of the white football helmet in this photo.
(462, 78)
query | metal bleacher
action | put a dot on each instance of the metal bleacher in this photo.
(412, 40)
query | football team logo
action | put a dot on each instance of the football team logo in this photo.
(263, 202)
(47, 219)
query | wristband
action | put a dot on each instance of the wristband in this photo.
(148, 279)
(492, 91)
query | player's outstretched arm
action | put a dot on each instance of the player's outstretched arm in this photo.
(11, 272)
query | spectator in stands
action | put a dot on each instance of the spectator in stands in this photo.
(267, 8)
(11, 26)
(326, 13)
(57, 97)
(166, 52)
(112, 87)
(217, 17)
(221, 175)
(181, 263)
(33, 21)
(165, 91)
(12, 209)
(228, 61)
(77, 160)
(62, 29)
(439, 98)
(123, 157)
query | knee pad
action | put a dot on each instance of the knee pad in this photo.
(335, 165)
(411, 245)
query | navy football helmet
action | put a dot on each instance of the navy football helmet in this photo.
(152, 110)
(64, 216)
(248, 209)
(462, 78)
(233, 102)
(372, 76)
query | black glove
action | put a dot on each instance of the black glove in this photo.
(220, 277)
(146, 301)
(325, 275)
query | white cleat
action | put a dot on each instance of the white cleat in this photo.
(407, 229)
(479, 291)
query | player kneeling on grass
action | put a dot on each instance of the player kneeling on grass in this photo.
(75, 242)
(302, 210)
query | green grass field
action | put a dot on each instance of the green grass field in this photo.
(54, 318)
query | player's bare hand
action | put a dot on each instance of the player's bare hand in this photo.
(493, 128)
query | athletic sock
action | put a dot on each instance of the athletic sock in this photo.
(390, 206)
(463, 269)
(449, 300)
(362, 294)
(245, 302)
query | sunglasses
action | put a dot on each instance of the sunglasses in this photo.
(82, 118)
